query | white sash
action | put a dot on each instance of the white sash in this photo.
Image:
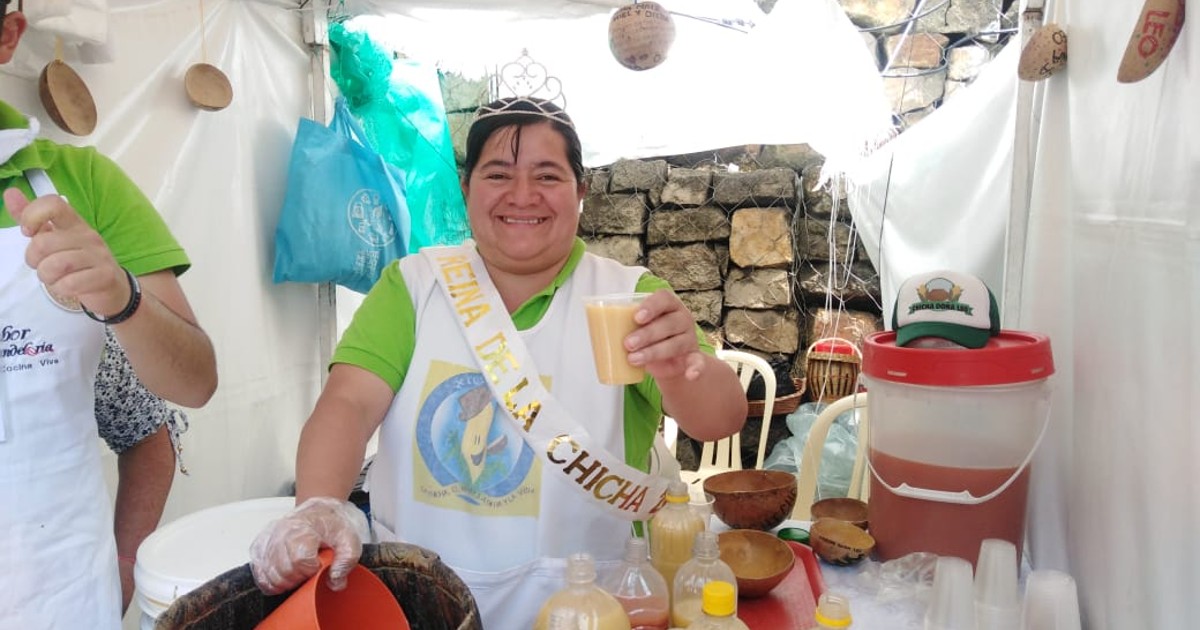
(510, 373)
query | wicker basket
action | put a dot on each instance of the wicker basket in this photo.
(783, 404)
(831, 367)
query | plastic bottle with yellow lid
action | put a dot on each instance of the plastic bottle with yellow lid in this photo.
(673, 529)
(833, 611)
(719, 611)
(581, 603)
(687, 593)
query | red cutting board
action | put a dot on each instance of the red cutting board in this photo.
(789, 606)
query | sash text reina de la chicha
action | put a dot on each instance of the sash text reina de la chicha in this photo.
(583, 469)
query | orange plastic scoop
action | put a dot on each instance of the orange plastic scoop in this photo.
(365, 604)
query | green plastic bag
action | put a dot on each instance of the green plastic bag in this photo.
(400, 105)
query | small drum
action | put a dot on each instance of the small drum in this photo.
(831, 369)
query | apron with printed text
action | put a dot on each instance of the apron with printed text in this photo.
(57, 555)
(454, 475)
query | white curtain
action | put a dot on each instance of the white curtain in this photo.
(1111, 273)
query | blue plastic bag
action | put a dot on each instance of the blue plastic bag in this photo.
(344, 216)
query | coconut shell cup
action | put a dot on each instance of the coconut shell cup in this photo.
(839, 542)
(846, 509)
(752, 499)
(759, 560)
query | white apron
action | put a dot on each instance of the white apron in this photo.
(57, 552)
(453, 475)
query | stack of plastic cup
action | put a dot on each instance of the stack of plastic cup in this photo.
(952, 603)
(997, 604)
(1051, 602)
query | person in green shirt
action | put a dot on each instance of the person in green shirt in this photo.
(98, 247)
(453, 470)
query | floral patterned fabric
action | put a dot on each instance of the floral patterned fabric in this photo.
(126, 412)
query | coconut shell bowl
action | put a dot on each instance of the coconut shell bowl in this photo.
(752, 499)
(759, 560)
(839, 542)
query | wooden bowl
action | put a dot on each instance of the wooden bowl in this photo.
(759, 560)
(67, 99)
(752, 499)
(846, 509)
(207, 87)
(839, 542)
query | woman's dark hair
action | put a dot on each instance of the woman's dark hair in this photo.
(520, 112)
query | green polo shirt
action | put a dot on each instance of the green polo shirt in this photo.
(102, 195)
(382, 337)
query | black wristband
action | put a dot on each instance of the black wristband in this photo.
(135, 300)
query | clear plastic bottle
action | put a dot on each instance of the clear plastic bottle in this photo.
(687, 594)
(672, 531)
(581, 603)
(833, 612)
(640, 588)
(719, 611)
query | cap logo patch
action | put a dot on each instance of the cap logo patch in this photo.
(940, 294)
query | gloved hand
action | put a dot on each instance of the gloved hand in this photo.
(284, 554)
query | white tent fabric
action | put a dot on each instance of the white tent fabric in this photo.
(937, 195)
(744, 81)
(1111, 273)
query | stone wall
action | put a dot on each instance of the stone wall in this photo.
(744, 250)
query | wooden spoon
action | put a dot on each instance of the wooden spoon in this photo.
(66, 97)
(207, 87)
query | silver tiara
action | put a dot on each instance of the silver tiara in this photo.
(523, 106)
(525, 87)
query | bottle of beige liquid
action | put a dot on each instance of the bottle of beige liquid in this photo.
(673, 529)
(582, 605)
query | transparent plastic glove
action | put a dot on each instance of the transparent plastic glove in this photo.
(285, 553)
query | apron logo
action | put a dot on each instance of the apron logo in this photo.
(467, 448)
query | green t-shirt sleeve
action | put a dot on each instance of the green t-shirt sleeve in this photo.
(125, 217)
(383, 333)
(104, 197)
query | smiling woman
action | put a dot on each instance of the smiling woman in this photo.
(472, 361)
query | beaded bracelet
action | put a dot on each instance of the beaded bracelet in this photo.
(135, 299)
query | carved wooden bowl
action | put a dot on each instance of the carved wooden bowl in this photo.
(759, 560)
(752, 499)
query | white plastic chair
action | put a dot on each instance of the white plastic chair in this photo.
(814, 447)
(726, 453)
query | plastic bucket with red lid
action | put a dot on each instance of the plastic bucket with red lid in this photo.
(952, 432)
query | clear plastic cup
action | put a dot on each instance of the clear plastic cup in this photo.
(701, 503)
(1051, 602)
(952, 603)
(997, 602)
(610, 320)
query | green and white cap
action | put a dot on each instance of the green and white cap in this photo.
(948, 305)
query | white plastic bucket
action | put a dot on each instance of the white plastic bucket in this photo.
(952, 434)
(196, 548)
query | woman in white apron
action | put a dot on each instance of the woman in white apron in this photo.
(499, 449)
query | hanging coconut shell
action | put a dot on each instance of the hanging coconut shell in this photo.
(640, 34)
(1154, 35)
(1045, 54)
